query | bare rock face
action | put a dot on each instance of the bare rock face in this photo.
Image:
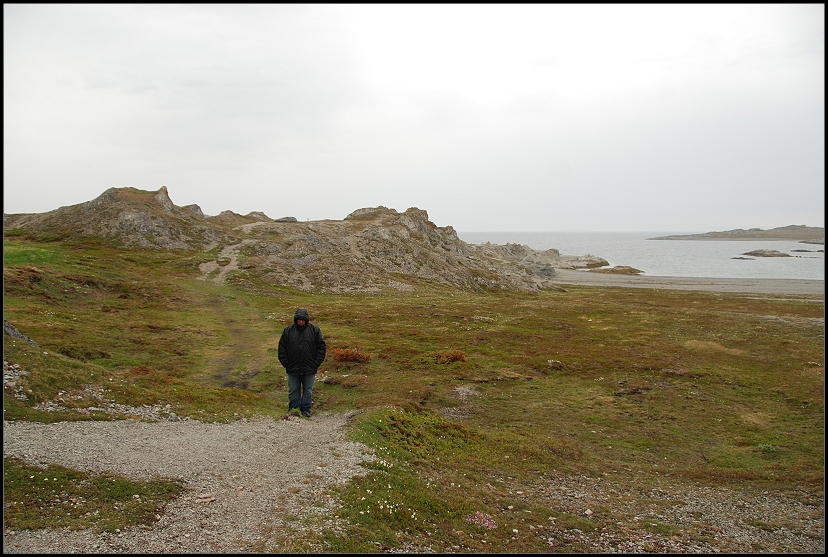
(372, 249)
(195, 210)
(12, 331)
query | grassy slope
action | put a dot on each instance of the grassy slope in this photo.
(707, 387)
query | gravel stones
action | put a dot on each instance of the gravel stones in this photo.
(245, 479)
(12, 380)
(648, 515)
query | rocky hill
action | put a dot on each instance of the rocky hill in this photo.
(372, 249)
(795, 232)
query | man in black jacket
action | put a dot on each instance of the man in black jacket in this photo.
(301, 350)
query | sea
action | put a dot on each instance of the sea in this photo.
(674, 258)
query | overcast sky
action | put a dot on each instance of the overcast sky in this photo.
(490, 117)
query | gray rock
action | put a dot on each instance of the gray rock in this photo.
(12, 331)
(258, 215)
(371, 212)
(195, 210)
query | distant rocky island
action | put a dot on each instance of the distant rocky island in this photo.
(795, 232)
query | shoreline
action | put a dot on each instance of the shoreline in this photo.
(805, 287)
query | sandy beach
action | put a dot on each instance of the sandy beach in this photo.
(762, 286)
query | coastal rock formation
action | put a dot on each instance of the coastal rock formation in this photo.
(372, 249)
(619, 270)
(766, 253)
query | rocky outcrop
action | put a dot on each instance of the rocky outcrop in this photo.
(370, 213)
(372, 249)
(11, 331)
(378, 248)
(766, 253)
(195, 210)
(126, 216)
(258, 216)
(619, 270)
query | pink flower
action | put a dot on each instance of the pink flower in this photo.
(482, 519)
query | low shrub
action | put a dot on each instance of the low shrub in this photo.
(447, 356)
(349, 355)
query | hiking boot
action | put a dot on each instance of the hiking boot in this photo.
(306, 413)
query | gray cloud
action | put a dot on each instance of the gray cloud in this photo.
(491, 117)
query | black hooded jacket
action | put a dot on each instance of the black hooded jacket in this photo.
(301, 349)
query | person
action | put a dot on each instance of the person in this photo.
(301, 351)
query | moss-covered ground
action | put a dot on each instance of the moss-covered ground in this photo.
(711, 388)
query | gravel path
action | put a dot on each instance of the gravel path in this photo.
(246, 480)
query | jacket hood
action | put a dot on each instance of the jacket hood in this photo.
(301, 313)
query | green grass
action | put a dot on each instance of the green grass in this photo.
(17, 254)
(708, 388)
(56, 496)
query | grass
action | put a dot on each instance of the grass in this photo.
(708, 388)
(55, 496)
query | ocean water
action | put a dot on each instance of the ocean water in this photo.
(673, 258)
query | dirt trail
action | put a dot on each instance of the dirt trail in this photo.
(242, 357)
(229, 253)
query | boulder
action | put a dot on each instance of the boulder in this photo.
(371, 213)
(258, 215)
